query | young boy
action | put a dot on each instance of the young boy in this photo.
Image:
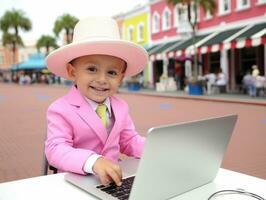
(89, 127)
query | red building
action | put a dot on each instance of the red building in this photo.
(233, 38)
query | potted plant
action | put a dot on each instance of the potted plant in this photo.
(133, 83)
(191, 6)
(196, 85)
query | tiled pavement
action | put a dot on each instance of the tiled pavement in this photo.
(22, 125)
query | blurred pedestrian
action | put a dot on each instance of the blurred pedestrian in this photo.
(221, 81)
(253, 87)
(255, 70)
(178, 71)
(210, 79)
(247, 82)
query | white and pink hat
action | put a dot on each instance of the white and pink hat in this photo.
(97, 35)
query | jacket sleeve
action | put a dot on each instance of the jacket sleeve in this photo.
(131, 143)
(59, 148)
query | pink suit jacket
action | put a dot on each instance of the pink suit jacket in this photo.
(74, 132)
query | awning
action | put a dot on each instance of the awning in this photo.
(185, 47)
(161, 49)
(216, 43)
(35, 62)
(254, 36)
(247, 36)
(151, 48)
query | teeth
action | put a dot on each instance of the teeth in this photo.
(100, 89)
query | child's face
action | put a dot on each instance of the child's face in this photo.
(97, 76)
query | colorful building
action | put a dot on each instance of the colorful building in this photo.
(233, 38)
(135, 25)
(7, 59)
(135, 28)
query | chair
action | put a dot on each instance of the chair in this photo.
(46, 167)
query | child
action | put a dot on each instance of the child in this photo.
(78, 140)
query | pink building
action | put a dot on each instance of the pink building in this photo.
(232, 12)
(233, 38)
(162, 21)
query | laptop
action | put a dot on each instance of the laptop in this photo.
(177, 158)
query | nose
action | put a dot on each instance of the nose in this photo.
(101, 78)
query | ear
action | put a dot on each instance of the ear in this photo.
(71, 71)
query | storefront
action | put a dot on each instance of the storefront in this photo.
(234, 51)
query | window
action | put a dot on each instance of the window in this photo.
(208, 15)
(180, 15)
(224, 6)
(176, 16)
(155, 23)
(193, 14)
(242, 4)
(181, 18)
(166, 19)
(183, 13)
(130, 30)
(140, 36)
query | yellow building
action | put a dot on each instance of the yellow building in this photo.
(135, 28)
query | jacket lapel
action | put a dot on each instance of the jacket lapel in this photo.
(116, 109)
(87, 114)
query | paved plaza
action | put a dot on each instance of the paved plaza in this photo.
(23, 125)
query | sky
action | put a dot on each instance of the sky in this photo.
(43, 13)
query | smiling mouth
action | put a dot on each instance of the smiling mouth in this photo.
(98, 89)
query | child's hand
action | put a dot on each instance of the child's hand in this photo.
(107, 171)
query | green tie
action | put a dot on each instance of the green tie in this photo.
(101, 111)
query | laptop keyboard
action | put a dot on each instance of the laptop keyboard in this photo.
(120, 192)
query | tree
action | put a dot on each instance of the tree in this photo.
(46, 41)
(65, 22)
(12, 40)
(10, 23)
(192, 6)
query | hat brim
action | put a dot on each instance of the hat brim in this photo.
(134, 55)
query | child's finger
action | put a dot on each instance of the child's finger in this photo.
(104, 179)
(116, 175)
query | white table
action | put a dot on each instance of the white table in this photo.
(55, 187)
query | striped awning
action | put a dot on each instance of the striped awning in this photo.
(151, 48)
(247, 36)
(185, 47)
(216, 43)
(254, 36)
(160, 51)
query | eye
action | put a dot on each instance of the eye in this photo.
(113, 73)
(91, 69)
